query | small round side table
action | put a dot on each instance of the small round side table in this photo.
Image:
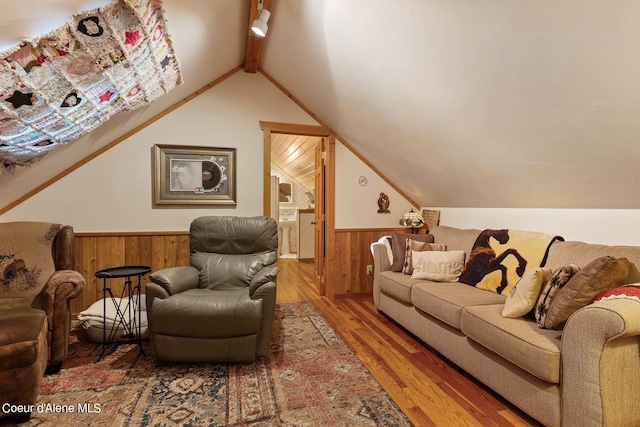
(132, 326)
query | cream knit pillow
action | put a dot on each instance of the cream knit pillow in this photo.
(438, 266)
(524, 294)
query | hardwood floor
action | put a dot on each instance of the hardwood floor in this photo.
(429, 390)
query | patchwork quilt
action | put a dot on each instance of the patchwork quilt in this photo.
(60, 86)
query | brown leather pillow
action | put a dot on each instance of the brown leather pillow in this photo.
(600, 274)
(398, 246)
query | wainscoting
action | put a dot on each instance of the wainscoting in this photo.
(353, 254)
(96, 251)
(158, 250)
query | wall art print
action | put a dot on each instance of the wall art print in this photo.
(64, 84)
(188, 175)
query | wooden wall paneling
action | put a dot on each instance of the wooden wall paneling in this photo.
(343, 282)
(113, 256)
(105, 250)
(138, 251)
(157, 253)
(85, 264)
(353, 255)
(176, 251)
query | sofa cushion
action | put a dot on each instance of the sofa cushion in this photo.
(396, 285)
(524, 294)
(603, 273)
(398, 246)
(520, 341)
(417, 246)
(19, 338)
(229, 271)
(445, 301)
(456, 239)
(438, 266)
(558, 279)
(581, 254)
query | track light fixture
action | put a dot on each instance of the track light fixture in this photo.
(259, 26)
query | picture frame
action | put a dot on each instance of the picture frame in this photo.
(431, 218)
(193, 175)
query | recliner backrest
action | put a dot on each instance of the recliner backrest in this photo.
(230, 251)
(233, 235)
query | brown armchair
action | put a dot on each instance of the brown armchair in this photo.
(37, 276)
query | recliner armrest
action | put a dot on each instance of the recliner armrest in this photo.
(266, 275)
(176, 279)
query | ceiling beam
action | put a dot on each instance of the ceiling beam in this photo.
(254, 43)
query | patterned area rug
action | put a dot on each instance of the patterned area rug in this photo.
(311, 378)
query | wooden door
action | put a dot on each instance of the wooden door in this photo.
(319, 221)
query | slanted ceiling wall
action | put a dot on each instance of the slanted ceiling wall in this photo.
(113, 192)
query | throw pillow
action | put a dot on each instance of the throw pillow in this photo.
(603, 273)
(387, 246)
(438, 266)
(417, 246)
(524, 294)
(629, 292)
(558, 279)
(386, 241)
(398, 246)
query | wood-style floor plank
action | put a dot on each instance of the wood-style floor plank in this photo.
(430, 390)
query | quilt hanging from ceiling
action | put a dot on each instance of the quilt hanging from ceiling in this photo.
(59, 86)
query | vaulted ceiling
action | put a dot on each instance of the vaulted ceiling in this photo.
(464, 103)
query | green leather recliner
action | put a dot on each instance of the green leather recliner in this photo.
(221, 307)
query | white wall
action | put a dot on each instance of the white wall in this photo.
(356, 205)
(604, 226)
(114, 191)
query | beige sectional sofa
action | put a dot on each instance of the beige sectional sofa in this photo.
(587, 374)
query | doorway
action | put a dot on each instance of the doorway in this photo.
(315, 147)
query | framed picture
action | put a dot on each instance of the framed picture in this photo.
(188, 175)
(431, 218)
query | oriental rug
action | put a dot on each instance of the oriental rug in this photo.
(311, 378)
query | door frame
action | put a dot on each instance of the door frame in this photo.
(269, 128)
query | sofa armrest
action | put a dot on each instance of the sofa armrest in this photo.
(176, 279)
(380, 264)
(60, 289)
(601, 364)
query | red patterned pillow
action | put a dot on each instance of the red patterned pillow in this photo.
(631, 292)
